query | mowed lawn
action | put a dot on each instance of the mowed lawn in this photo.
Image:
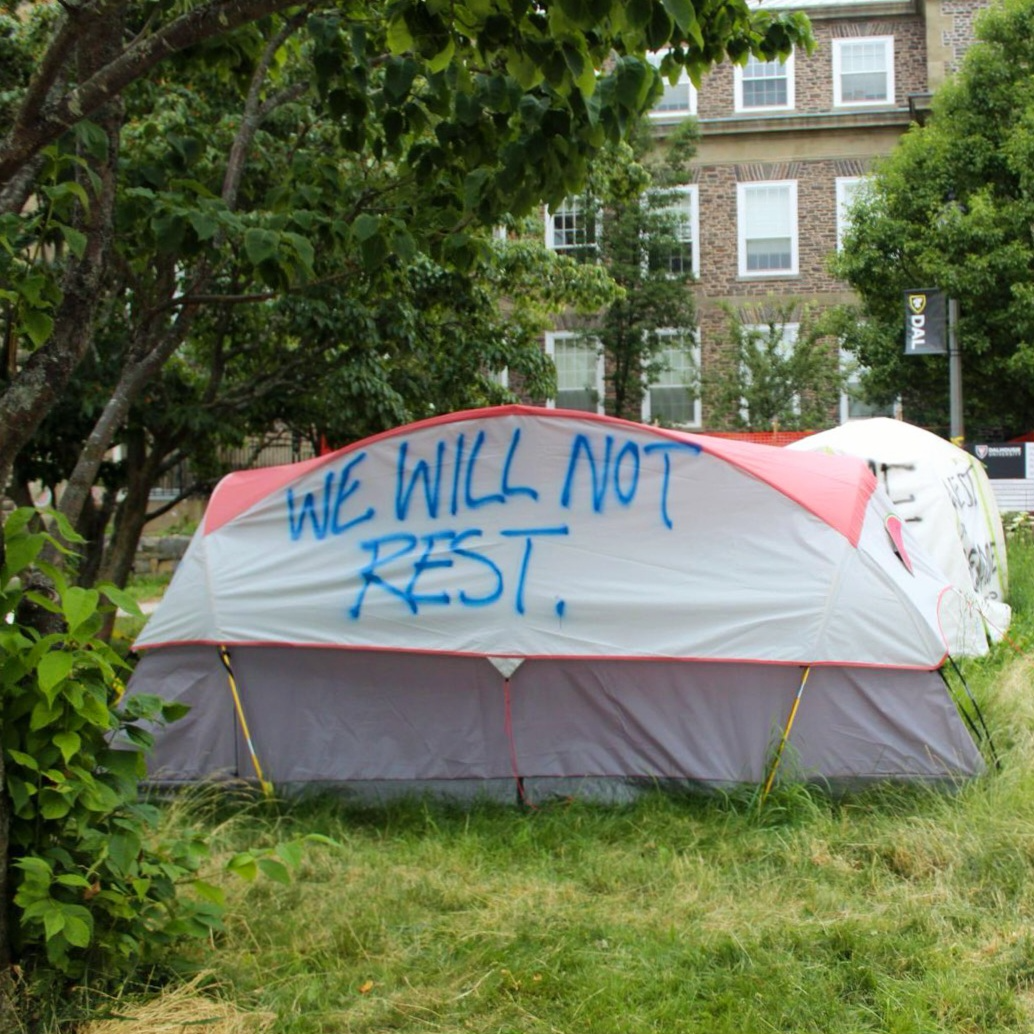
(902, 909)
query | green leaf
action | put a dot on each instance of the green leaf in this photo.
(21, 552)
(365, 226)
(68, 743)
(682, 12)
(303, 248)
(400, 39)
(274, 870)
(443, 58)
(75, 239)
(53, 669)
(399, 74)
(64, 527)
(290, 853)
(123, 849)
(320, 838)
(261, 245)
(92, 138)
(35, 866)
(205, 226)
(38, 325)
(17, 521)
(25, 760)
(53, 805)
(79, 605)
(43, 714)
(66, 189)
(128, 764)
(243, 865)
(72, 879)
(209, 892)
(169, 230)
(53, 921)
(78, 931)
(173, 711)
(121, 599)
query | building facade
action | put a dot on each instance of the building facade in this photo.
(783, 147)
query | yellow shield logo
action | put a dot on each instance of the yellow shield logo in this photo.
(917, 303)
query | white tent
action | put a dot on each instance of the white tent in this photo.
(944, 495)
(528, 593)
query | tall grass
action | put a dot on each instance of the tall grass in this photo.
(901, 909)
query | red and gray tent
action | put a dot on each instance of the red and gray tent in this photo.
(523, 593)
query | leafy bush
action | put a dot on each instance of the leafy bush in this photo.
(94, 887)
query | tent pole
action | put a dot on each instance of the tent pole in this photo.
(786, 733)
(267, 788)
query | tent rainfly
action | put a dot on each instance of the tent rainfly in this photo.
(944, 495)
(533, 594)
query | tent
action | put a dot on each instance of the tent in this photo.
(945, 496)
(531, 594)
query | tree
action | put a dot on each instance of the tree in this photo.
(491, 111)
(642, 246)
(952, 207)
(769, 379)
(452, 117)
(353, 360)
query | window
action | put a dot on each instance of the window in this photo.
(767, 228)
(572, 229)
(678, 101)
(863, 71)
(672, 399)
(579, 372)
(847, 190)
(681, 259)
(851, 405)
(768, 381)
(764, 85)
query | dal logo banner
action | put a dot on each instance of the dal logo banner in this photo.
(925, 322)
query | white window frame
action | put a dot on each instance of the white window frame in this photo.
(852, 371)
(788, 73)
(743, 238)
(554, 336)
(673, 113)
(847, 188)
(839, 46)
(575, 207)
(689, 205)
(697, 416)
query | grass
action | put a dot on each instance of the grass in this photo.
(147, 587)
(899, 910)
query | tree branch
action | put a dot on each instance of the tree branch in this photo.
(255, 112)
(33, 130)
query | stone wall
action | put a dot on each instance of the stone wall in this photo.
(160, 554)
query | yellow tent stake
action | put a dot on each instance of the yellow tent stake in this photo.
(786, 733)
(267, 788)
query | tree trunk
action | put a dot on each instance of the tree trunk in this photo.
(92, 527)
(35, 388)
(132, 513)
(158, 346)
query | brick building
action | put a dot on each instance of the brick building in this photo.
(783, 146)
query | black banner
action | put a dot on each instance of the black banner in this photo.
(925, 323)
